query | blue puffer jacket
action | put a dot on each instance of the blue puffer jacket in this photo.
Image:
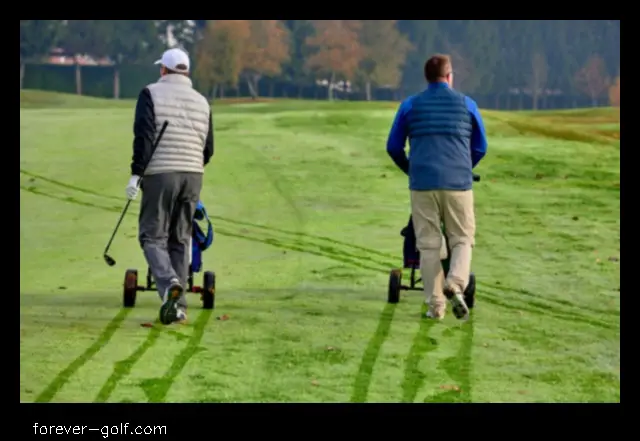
(439, 130)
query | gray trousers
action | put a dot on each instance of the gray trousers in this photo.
(165, 225)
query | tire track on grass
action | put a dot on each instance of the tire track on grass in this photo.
(420, 348)
(547, 307)
(308, 236)
(122, 369)
(422, 344)
(65, 375)
(370, 356)
(325, 239)
(459, 367)
(505, 301)
(543, 309)
(298, 245)
(325, 251)
(156, 389)
(363, 378)
(565, 303)
(34, 176)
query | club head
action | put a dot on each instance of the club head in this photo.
(109, 260)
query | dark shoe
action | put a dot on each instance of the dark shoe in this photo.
(470, 292)
(169, 308)
(455, 297)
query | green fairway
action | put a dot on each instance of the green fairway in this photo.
(308, 209)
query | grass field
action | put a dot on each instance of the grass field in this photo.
(308, 210)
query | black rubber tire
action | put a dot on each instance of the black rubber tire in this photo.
(130, 288)
(470, 292)
(395, 281)
(209, 290)
(149, 279)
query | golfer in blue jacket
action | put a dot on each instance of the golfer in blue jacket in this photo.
(446, 141)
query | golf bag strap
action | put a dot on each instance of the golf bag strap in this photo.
(209, 237)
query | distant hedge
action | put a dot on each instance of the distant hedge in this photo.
(96, 80)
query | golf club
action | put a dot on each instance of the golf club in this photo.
(110, 260)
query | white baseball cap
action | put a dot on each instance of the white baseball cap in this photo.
(174, 57)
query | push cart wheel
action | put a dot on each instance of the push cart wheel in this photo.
(130, 288)
(395, 281)
(470, 292)
(209, 290)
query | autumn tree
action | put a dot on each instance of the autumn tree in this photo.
(592, 79)
(264, 51)
(337, 49)
(384, 50)
(614, 93)
(294, 70)
(219, 53)
(538, 77)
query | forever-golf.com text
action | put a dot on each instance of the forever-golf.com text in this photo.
(104, 431)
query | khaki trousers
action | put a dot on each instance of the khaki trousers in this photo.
(429, 210)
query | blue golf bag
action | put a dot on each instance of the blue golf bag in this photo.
(200, 240)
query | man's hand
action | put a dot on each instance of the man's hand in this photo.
(133, 187)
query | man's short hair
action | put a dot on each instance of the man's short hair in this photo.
(181, 67)
(436, 67)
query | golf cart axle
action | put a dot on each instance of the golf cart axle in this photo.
(194, 290)
(206, 290)
(411, 288)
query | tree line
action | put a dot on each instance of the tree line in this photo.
(506, 62)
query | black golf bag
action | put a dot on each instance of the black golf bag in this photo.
(411, 256)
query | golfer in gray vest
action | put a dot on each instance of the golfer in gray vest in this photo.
(172, 175)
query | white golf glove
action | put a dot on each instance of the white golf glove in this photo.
(132, 187)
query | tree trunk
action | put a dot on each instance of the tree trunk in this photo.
(256, 80)
(215, 91)
(222, 92)
(250, 86)
(116, 82)
(299, 86)
(22, 69)
(497, 102)
(78, 78)
(252, 82)
(594, 102)
(330, 88)
(508, 101)
(271, 89)
(535, 100)
(367, 90)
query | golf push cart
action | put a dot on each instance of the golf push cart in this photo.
(411, 257)
(199, 243)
